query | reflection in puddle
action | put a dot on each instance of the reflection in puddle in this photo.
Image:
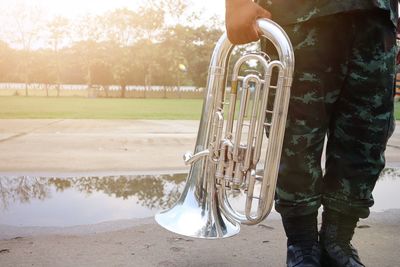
(41, 201)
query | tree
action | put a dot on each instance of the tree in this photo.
(134, 32)
(150, 22)
(88, 33)
(102, 68)
(42, 70)
(8, 62)
(120, 26)
(121, 67)
(192, 47)
(26, 31)
(58, 30)
(144, 46)
(174, 10)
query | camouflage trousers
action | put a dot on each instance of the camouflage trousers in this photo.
(343, 88)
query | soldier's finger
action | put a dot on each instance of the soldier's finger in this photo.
(263, 13)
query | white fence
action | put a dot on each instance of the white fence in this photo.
(110, 91)
(41, 86)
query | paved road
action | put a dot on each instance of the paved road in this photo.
(106, 146)
(59, 146)
(93, 146)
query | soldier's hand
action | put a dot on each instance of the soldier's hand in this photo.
(240, 20)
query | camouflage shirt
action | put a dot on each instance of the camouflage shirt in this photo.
(294, 11)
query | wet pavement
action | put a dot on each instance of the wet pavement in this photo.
(60, 202)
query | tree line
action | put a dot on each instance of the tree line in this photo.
(121, 47)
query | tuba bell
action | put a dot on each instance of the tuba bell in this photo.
(225, 156)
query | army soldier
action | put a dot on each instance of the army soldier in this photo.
(343, 88)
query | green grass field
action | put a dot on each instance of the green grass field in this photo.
(99, 108)
(104, 108)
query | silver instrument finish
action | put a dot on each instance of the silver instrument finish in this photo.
(222, 162)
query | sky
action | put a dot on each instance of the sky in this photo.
(73, 8)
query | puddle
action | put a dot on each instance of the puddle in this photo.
(41, 201)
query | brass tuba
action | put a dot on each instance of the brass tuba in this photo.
(225, 156)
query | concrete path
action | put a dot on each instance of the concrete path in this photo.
(88, 146)
(110, 146)
(114, 147)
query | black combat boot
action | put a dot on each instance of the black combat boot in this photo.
(336, 233)
(302, 244)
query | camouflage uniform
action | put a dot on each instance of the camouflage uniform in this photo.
(343, 87)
